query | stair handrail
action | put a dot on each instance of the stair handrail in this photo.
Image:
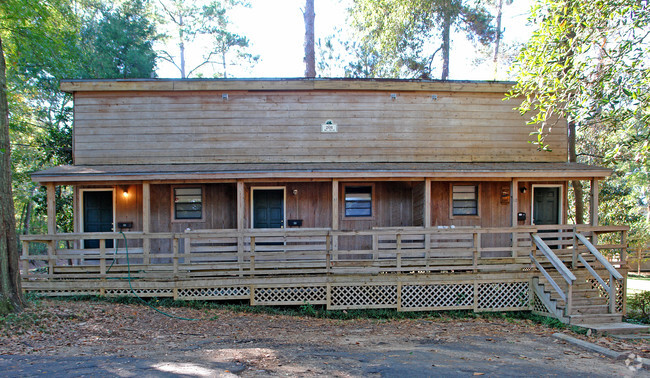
(613, 273)
(568, 276)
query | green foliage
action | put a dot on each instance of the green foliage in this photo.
(638, 307)
(119, 43)
(397, 35)
(47, 41)
(586, 62)
(205, 24)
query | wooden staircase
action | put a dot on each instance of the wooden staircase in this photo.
(575, 286)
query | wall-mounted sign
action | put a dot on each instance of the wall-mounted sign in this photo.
(329, 127)
(505, 195)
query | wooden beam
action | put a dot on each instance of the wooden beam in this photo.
(174, 85)
(146, 207)
(427, 202)
(514, 202)
(241, 205)
(335, 204)
(51, 208)
(593, 206)
(146, 220)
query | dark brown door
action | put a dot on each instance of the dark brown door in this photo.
(98, 215)
(546, 206)
(268, 208)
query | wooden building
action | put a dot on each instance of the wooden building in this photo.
(413, 195)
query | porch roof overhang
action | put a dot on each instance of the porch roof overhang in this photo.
(68, 174)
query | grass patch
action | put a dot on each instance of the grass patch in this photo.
(642, 277)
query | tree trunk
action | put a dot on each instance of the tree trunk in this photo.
(10, 290)
(578, 192)
(446, 43)
(181, 45)
(497, 41)
(310, 54)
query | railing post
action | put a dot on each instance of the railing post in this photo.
(175, 255)
(375, 246)
(574, 256)
(398, 253)
(25, 258)
(624, 250)
(477, 250)
(102, 258)
(252, 267)
(50, 258)
(569, 299)
(187, 248)
(612, 294)
(240, 252)
(328, 252)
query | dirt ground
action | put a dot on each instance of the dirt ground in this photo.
(145, 343)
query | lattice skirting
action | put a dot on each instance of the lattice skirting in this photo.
(620, 293)
(506, 295)
(403, 296)
(63, 292)
(291, 295)
(538, 306)
(437, 297)
(215, 293)
(141, 292)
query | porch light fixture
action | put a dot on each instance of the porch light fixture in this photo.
(224, 96)
(125, 191)
(393, 96)
(523, 189)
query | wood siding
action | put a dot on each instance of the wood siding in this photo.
(285, 126)
(312, 204)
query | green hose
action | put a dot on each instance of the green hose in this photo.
(128, 267)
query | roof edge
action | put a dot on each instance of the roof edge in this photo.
(284, 84)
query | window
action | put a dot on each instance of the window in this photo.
(464, 200)
(188, 203)
(358, 201)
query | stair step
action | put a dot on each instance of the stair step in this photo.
(585, 301)
(595, 319)
(617, 328)
(589, 309)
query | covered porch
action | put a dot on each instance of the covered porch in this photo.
(413, 253)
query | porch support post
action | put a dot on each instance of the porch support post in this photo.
(241, 209)
(514, 208)
(427, 203)
(593, 205)
(146, 222)
(51, 209)
(241, 204)
(514, 201)
(146, 207)
(427, 219)
(335, 204)
(335, 216)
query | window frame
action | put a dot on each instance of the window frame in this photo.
(451, 201)
(373, 201)
(173, 203)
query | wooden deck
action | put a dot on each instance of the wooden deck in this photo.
(409, 269)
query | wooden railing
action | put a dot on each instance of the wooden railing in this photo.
(565, 273)
(563, 247)
(613, 273)
(271, 252)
